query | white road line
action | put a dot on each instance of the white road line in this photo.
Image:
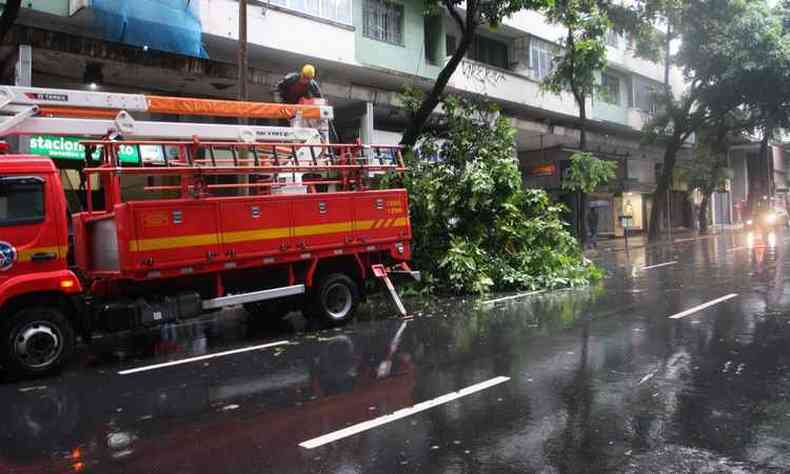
(703, 306)
(647, 377)
(514, 297)
(203, 357)
(660, 265)
(382, 420)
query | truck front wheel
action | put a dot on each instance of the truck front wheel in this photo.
(334, 300)
(36, 341)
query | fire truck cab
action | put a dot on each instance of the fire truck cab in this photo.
(304, 229)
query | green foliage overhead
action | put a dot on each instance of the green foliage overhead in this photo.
(468, 16)
(583, 47)
(476, 229)
(586, 173)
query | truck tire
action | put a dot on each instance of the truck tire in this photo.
(334, 300)
(36, 341)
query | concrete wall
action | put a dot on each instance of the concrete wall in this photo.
(504, 85)
(642, 170)
(407, 58)
(279, 29)
(740, 182)
(55, 7)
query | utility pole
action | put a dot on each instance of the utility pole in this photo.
(243, 64)
(243, 95)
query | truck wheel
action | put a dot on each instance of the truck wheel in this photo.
(334, 300)
(36, 341)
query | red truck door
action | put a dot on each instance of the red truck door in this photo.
(32, 225)
(256, 227)
(322, 221)
(181, 233)
(379, 216)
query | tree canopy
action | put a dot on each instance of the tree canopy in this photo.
(732, 53)
(469, 16)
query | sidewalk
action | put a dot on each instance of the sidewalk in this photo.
(640, 241)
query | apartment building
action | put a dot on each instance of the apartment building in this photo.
(366, 51)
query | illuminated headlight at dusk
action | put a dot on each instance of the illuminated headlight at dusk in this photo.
(772, 239)
(750, 239)
(770, 218)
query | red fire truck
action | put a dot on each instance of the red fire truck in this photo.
(273, 218)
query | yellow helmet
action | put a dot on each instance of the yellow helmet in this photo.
(308, 70)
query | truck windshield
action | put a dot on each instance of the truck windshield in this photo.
(21, 200)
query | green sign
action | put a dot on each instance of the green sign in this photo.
(70, 148)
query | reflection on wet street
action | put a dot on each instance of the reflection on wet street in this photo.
(600, 380)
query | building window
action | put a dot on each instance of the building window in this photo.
(613, 38)
(335, 10)
(645, 93)
(489, 51)
(432, 31)
(384, 21)
(541, 58)
(451, 44)
(611, 89)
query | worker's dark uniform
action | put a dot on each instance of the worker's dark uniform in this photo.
(291, 89)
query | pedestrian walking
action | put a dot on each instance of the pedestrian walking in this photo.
(592, 226)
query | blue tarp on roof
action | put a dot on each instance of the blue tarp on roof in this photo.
(165, 25)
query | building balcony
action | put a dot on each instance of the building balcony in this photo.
(510, 87)
(277, 27)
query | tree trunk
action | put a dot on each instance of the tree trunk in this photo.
(759, 186)
(582, 123)
(702, 214)
(667, 55)
(583, 146)
(662, 187)
(430, 101)
(581, 202)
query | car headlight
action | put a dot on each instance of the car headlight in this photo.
(749, 222)
(770, 218)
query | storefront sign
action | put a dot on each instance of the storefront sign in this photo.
(545, 169)
(70, 148)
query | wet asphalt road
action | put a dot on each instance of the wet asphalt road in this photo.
(599, 380)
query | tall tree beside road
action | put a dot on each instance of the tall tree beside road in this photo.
(583, 53)
(468, 15)
(9, 16)
(729, 50)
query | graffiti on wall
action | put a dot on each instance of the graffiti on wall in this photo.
(481, 75)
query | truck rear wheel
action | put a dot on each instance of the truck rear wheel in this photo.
(36, 341)
(334, 300)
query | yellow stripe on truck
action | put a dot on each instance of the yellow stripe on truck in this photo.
(320, 229)
(260, 234)
(166, 243)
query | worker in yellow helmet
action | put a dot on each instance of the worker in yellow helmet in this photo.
(298, 85)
